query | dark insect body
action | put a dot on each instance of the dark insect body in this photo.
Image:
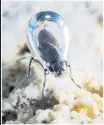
(50, 52)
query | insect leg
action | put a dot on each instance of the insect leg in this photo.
(72, 78)
(20, 59)
(45, 73)
(26, 57)
(28, 73)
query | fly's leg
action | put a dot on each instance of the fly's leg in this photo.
(45, 73)
(21, 59)
(72, 78)
(26, 57)
(43, 97)
(29, 69)
(43, 100)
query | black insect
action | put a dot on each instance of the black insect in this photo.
(44, 46)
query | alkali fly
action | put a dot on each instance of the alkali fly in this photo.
(45, 47)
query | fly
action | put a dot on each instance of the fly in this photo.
(46, 47)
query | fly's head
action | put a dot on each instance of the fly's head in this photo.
(58, 68)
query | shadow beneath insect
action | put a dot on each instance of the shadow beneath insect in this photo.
(45, 103)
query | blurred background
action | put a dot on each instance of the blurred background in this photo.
(84, 19)
(85, 22)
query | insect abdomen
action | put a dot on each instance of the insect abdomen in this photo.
(48, 47)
